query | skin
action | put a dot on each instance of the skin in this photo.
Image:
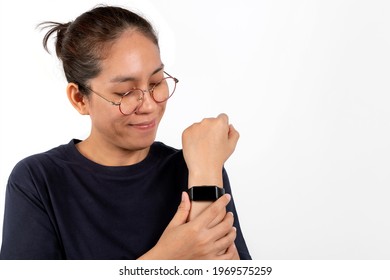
(115, 139)
(206, 147)
(198, 230)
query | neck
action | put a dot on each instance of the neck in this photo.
(108, 154)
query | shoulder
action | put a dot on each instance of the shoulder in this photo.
(163, 149)
(38, 164)
(166, 153)
(169, 161)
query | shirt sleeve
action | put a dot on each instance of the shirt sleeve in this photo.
(240, 241)
(28, 231)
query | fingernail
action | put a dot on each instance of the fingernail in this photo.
(182, 196)
(229, 197)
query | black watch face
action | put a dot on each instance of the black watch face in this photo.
(206, 193)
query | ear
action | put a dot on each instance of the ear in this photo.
(77, 99)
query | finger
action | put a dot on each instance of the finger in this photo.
(231, 253)
(182, 212)
(223, 117)
(223, 121)
(223, 228)
(219, 218)
(233, 136)
(206, 218)
(233, 133)
(225, 242)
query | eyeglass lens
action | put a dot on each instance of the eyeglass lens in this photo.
(160, 92)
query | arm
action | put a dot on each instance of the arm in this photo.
(206, 147)
(27, 232)
(202, 230)
(197, 239)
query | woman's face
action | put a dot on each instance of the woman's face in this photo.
(133, 62)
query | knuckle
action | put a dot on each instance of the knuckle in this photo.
(186, 132)
(195, 231)
(227, 226)
(222, 121)
(206, 120)
(223, 116)
(233, 234)
(225, 243)
(230, 218)
(229, 255)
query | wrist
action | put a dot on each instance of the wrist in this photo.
(205, 193)
(204, 178)
(154, 254)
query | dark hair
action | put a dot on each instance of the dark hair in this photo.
(83, 43)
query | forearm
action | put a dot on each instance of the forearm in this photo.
(206, 178)
(206, 147)
(203, 178)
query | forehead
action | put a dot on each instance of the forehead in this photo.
(132, 54)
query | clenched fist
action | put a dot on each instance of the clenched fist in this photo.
(206, 147)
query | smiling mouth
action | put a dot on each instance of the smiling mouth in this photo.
(144, 125)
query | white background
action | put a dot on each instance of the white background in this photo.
(305, 82)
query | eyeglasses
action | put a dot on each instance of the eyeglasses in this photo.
(130, 101)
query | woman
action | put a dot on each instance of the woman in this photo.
(119, 194)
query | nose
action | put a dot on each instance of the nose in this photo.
(146, 103)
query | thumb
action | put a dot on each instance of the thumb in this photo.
(182, 212)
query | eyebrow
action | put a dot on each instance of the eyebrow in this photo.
(123, 79)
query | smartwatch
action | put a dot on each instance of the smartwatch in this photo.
(205, 193)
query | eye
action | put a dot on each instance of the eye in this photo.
(154, 85)
(124, 92)
(120, 94)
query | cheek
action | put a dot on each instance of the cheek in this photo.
(103, 114)
(162, 108)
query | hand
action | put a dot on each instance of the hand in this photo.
(211, 235)
(207, 145)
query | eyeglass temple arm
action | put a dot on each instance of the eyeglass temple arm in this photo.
(176, 80)
(112, 102)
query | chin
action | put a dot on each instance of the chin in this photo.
(139, 144)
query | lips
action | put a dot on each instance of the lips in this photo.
(144, 125)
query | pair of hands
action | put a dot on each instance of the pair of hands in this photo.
(210, 233)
